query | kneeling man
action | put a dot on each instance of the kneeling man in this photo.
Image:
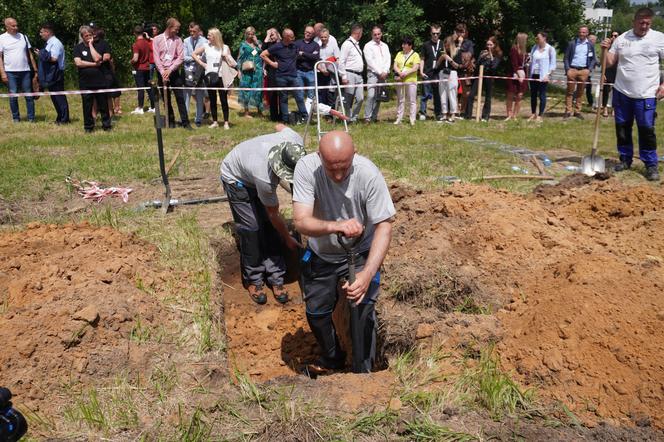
(337, 191)
(250, 174)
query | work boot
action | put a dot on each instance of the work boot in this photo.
(624, 165)
(652, 174)
(257, 294)
(280, 293)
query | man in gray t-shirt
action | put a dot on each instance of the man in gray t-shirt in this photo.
(337, 191)
(250, 174)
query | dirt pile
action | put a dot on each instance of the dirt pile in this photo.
(578, 268)
(74, 300)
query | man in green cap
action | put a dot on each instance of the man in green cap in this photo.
(250, 174)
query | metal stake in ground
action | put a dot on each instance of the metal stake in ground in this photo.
(158, 124)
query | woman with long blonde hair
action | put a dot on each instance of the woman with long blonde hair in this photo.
(216, 52)
(448, 63)
(517, 70)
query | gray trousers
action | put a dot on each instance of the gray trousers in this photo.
(260, 244)
(320, 282)
(372, 106)
(199, 96)
(353, 96)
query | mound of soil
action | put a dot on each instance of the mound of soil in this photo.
(70, 301)
(578, 268)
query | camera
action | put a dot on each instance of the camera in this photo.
(12, 423)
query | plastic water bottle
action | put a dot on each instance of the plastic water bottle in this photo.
(546, 161)
(571, 168)
(516, 169)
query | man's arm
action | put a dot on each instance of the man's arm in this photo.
(379, 246)
(3, 74)
(343, 57)
(279, 224)
(265, 55)
(307, 224)
(156, 52)
(610, 58)
(179, 56)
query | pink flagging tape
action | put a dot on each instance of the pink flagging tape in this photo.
(302, 88)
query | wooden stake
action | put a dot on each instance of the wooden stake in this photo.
(479, 94)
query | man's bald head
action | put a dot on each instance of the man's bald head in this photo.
(336, 150)
(11, 26)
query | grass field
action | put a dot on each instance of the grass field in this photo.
(38, 157)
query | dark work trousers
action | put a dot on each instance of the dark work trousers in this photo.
(142, 79)
(260, 244)
(60, 101)
(223, 97)
(324, 95)
(175, 80)
(102, 109)
(643, 110)
(470, 101)
(273, 96)
(486, 106)
(320, 282)
(537, 90)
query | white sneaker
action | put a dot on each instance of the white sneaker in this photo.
(226, 126)
(397, 122)
(151, 110)
(137, 111)
(423, 117)
(213, 125)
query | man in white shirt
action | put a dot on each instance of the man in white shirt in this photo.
(16, 62)
(377, 55)
(329, 52)
(636, 89)
(351, 66)
(318, 29)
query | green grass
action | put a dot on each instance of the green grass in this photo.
(487, 385)
(421, 430)
(38, 157)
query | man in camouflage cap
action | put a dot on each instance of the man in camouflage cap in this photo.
(250, 174)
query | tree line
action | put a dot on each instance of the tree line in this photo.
(503, 18)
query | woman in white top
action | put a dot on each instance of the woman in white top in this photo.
(542, 64)
(216, 53)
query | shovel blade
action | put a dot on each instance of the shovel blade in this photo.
(591, 165)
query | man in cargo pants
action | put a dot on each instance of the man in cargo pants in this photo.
(250, 174)
(337, 191)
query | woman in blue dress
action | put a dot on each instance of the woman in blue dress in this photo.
(251, 69)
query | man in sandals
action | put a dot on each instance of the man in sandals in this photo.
(337, 191)
(250, 174)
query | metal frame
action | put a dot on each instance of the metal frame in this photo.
(338, 102)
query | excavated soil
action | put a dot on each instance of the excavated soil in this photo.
(576, 272)
(69, 302)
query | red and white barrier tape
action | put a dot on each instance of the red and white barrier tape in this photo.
(274, 89)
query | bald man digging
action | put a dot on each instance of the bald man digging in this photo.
(335, 190)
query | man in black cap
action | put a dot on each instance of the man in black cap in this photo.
(250, 174)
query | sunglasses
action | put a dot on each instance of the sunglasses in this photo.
(435, 33)
(614, 35)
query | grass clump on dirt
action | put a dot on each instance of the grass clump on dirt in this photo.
(422, 430)
(433, 285)
(487, 385)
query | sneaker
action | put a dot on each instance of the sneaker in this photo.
(187, 127)
(213, 125)
(579, 116)
(485, 120)
(567, 116)
(412, 122)
(198, 123)
(450, 120)
(652, 174)
(423, 117)
(226, 126)
(137, 111)
(440, 118)
(151, 110)
(624, 164)
(206, 115)
(397, 122)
